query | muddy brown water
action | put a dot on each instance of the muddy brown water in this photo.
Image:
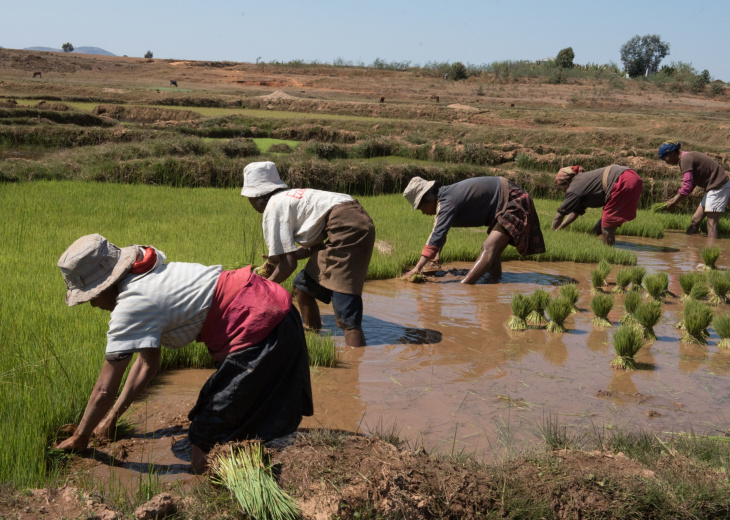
(442, 370)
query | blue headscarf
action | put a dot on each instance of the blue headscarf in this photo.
(668, 147)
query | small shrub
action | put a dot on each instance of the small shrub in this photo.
(647, 315)
(697, 317)
(627, 341)
(623, 279)
(240, 148)
(558, 309)
(722, 327)
(710, 256)
(540, 299)
(717, 89)
(571, 293)
(521, 308)
(601, 304)
(280, 148)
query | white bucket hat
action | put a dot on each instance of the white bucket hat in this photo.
(416, 189)
(261, 178)
(91, 265)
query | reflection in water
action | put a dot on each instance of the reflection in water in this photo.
(527, 277)
(646, 248)
(380, 332)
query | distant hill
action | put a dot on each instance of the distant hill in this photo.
(80, 50)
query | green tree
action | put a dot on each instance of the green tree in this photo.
(565, 58)
(67, 47)
(458, 71)
(641, 55)
(148, 55)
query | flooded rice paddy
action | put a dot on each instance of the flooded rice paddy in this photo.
(442, 370)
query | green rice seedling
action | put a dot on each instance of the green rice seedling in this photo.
(266, 269)
(647, 315)
(656, 285)
(558, 309)
(540, 299)
(626, 342)
(722, 327)
(710, 256)
(571, 293)
(417, 278)
(697, 317)
(687, 281)
(623, 279)
(720, 285)
(699, 291)
(248, 477)
(659, 207)
(631, 303)
(322, 350)
(637, 276)
(597, 281)
(601, 304)
(521, 308)
(604, 268)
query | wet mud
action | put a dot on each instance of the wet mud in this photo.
(442, 370)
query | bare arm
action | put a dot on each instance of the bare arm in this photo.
(675, 200)
(142, 372)
(286, 264)
(566, 221)
(419, 266)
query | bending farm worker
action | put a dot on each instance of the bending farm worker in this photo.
(700, 170)
(615, 188)
(332, 229)
(261, 388)
(506, 209)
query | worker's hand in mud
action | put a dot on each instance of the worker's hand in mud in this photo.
(75, 443)
(410, 273)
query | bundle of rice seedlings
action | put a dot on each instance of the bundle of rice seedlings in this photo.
(710, 256)
(656, 284)
(601, 304)
(700, 291)
(571, 293)
(623, 279)
(558, 309)
(687, 281)
(417, 278)
(658, 207)
(266, 269)
(720, 286)
(521, 308)
(697, 317)
(250, 481)
(604, 268)
(722, 327)
(597, 281)
(626, 342)
(631, 303)
(637, 276)
(322, 350)
(540, 299)
(647, 315)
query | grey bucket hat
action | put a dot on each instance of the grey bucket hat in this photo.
(91, 265)
(416, 189)
(261, 178)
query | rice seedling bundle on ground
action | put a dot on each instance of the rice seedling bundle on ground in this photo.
(597, 281)
(558, 309)
(656, 284)
(722, 327)
(601, 304)
(417, 278)
(521, 308)
(700, 291)
(697, 317)
(250, 480)
(604, 268)
(623, 279)
(710, 256)
(631, 303)
(322, 350)
(647, 315)
(637, 276)
(687, 281)
(571, 293)
(626, 342)
(540, 299)
(720, 285)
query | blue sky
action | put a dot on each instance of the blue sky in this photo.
(470, 31)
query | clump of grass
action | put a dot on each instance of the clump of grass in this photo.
(601, 304)
(558, 309)
(720, 285)
(604, 268)
(656, 284)
(687, 281)
(623, 279)
(710, 256)
(250, 480)
(597, 281)
(521, 308)
(697, 317)
(631, 303)
(722, 327)
(659, 207)
(322, 350)
(540, 299)
(699, 291)
(571, 293)
(637, 276)
(626, 342)
(647, 315)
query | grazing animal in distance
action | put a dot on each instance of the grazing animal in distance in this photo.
(37, 74)
(173, 82)
(434, 97)
(382, 99)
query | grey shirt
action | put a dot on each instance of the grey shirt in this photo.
(586, 190)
